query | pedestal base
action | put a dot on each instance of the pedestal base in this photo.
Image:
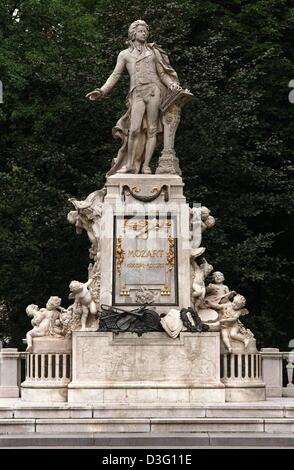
(43, 394)
(149, 369)
(9, 392)
(242, 394)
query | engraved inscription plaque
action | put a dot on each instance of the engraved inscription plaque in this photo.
(145, 264)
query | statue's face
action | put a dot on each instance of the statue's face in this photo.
(218, 277)
(53, 302)
(239, 302)
(141, 33)
(75, 286)
(204, 213)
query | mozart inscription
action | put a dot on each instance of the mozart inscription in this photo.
(145, 260)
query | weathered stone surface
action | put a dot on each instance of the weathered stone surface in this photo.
(9, 373)
(49, 344)
(145, 245)
(50, 394)
(153, 368)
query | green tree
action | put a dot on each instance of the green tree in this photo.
(235, 140)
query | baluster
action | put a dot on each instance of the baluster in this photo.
(63, 366)
(246, 366)
(37, 366)
(32, 366)
(290, 368)
(252, 365)
(42, 366)
(225, 364)
(69, 375)
(27, 367)
(239, 366)
(232, 361)
(57, 357)
(49, 366)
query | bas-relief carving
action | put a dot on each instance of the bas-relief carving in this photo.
(144, 296)
(154, 102)
(192, 361)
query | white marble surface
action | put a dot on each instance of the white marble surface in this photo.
(272, 371)
(153, 368)
(176, 206)
(9, 373)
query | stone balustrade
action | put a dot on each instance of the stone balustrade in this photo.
(47, 376)
(241, 373)
(48, 368)
(48, 371)
(240, 368)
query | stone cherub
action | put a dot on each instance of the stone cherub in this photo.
(43, 319)
(216, 292)
(151, 80)
(200, 269)
(230, 326)
(200, 220)
(85, 217)
(83, 300)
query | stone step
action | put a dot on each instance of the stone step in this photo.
(184, 440)
(146, 425)
(21, 410)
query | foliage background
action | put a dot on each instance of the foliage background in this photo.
(235, 141)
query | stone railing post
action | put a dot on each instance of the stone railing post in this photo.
(288, 391)
(272, 371)
(9, 373)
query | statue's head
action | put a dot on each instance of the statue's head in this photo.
(239, 302)
(53, 302)
(72, 217)
(218, 277)
(31, 310)
(139, 29)
(205, 212)
(76, 286)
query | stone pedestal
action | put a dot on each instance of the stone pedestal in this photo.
(272, 365)
(9, 373)
(241, 373)
(48, 370)
(153, 368)
(145, 242)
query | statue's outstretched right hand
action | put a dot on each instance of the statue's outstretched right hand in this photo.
(95, 95)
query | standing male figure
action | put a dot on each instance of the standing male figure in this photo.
(151, 78)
